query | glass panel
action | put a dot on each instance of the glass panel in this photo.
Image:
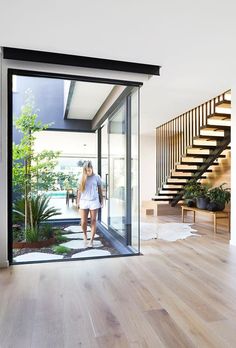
(104, 173)
(135, 170)
(117, 171)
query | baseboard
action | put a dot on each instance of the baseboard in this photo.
(4, 264)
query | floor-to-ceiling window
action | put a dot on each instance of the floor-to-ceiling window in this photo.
(48, 153)
(120, 171)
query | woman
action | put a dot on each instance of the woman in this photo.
(89, 199)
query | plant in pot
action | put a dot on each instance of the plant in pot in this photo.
(190, 190)
(202, 198)
(196, 194)
(218, 197)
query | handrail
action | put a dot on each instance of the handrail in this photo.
(174, 136)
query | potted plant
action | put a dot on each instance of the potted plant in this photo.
(190, 190)
(218, 197)
(196, 194)
(202, 198)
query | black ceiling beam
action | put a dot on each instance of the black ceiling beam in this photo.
(80, 61)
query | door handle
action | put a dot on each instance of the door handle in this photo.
(106, 183)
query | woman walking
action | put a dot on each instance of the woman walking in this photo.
(89, 199)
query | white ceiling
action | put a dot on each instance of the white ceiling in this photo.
(194, 41)
(87, 99)
(68, 143)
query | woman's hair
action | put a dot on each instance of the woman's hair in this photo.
(86, 165)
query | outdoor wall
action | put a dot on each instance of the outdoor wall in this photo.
(49, 100)
(148, 166)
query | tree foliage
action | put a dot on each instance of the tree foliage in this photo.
(31, 169)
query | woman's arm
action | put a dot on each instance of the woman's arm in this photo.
(100, 195)
(78, 197)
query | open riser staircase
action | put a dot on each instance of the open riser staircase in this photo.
(190, 145)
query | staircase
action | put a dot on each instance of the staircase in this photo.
(190, 146)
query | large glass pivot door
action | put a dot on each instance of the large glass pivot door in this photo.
(117, 171)
(120, 171)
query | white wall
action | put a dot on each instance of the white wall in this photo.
(233, 164)
(148, 166)
(3, 128)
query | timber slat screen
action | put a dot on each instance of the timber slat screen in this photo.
(173, 137)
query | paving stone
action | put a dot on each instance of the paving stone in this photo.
(79, 235)
(75, 229)
(79, 244)
(91, 253)
(37, 256)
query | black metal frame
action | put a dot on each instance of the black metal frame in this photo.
(34, 73)
(9, 166)
(128, 171)
(71, 77)
(99, 156)
(79, 61)
(127, 103)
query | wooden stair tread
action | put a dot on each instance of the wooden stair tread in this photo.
(170, 187)
(212, 133)
(184, 175)
(192, 170)
(224, 104)
(173, 193)
(159, 198)
(214, 127)
(219, 115)
(176, 181)
(220, 122)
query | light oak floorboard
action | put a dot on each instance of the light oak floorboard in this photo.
(177, 294)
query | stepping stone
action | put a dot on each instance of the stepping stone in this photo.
(91, 253)
(79, 244)
(79, 235)
(75, 229)
(37, 256)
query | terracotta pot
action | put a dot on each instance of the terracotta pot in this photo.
(34, 245)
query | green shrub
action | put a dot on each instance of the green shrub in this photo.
(60, 249)
(58, 231)
(32, 235)
(18, 234)
(61, 239)
(46, 231)
(40, 210)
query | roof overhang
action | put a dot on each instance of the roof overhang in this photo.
(80, 61)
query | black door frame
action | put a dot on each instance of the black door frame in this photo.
(126, 100)
(34, 73)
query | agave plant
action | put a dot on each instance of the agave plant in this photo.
(40, 211)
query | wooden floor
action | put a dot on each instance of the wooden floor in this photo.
(178, 294)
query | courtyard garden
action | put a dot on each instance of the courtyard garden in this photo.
(36, 236)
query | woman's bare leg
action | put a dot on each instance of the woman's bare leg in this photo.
(93, 217)
(84, 222)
